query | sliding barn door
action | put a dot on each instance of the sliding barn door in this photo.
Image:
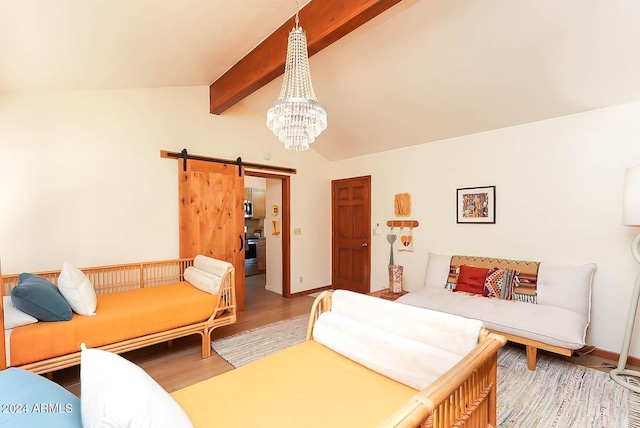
(212, 215)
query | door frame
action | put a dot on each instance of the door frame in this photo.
(260, 172)
(285, 229)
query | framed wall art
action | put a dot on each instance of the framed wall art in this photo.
(476, 205)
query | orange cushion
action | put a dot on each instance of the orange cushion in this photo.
(320, 387)
(119, 316)
(471, 279)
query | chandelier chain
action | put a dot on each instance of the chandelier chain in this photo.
(297, 14)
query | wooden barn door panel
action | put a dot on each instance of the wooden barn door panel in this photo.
(212, 215)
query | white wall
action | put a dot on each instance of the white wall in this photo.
(255, 182)
(82, 179)
(559, 195)
(274, 242)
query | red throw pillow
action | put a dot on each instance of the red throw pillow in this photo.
(471, 279)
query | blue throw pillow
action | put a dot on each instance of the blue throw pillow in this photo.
(30, 400)
(39, 298)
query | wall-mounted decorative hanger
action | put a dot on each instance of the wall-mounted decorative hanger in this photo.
(403, 223)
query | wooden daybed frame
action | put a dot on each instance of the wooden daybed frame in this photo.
(124, 277)
(465, 395)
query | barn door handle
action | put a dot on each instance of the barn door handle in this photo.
(241, 243)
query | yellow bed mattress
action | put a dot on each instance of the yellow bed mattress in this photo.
(307, 385)
(119, 316)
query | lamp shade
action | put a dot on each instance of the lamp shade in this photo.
(631, 202)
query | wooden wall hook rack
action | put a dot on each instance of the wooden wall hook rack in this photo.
(403, 223)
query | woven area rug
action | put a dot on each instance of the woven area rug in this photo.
(557, 394)
(243, 348)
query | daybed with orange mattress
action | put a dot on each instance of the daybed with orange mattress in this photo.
(366, 362)
(137, 305)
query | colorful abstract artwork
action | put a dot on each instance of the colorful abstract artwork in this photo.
(476, 205)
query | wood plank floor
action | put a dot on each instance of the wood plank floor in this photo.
(181, 365)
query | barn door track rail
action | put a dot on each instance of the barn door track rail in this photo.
(184, 155)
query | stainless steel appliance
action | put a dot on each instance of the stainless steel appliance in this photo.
(251, 257)
(248, 209)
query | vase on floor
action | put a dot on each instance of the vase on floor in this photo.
(395, 279)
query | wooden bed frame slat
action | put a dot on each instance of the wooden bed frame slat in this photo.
(115, 278)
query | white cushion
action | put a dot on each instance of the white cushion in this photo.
(213, 266)
(117, 393)
(451, 333)
(78, 290)
(410, 362)
(14, 317)
(437, 270)
(548, 324)
(202, 280)
(566, 286)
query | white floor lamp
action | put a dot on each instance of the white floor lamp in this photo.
(630, 217)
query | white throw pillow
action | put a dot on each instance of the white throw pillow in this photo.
(202, 280)
(116, 393)
(437, 270)
(410, 362)
(78, 290)
(14, 317)
(566, 286)
(210, 265)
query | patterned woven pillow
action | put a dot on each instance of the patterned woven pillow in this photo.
(525, 275)
(500, 283)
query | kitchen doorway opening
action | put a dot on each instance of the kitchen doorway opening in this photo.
(267, 231)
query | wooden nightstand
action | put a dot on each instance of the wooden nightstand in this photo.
(391, 296)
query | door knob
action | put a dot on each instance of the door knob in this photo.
(364, 244)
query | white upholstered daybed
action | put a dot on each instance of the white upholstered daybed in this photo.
(548, 308)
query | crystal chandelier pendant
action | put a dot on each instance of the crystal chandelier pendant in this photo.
(297, 117)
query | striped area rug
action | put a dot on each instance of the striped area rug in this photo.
(248, 346)
(557, 394)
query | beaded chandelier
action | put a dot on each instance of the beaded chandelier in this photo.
(297, 117)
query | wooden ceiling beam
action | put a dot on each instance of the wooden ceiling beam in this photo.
(324, 21)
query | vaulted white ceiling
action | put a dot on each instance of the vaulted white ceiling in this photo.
(420, 72)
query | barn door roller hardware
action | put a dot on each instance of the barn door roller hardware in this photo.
(184, 155)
